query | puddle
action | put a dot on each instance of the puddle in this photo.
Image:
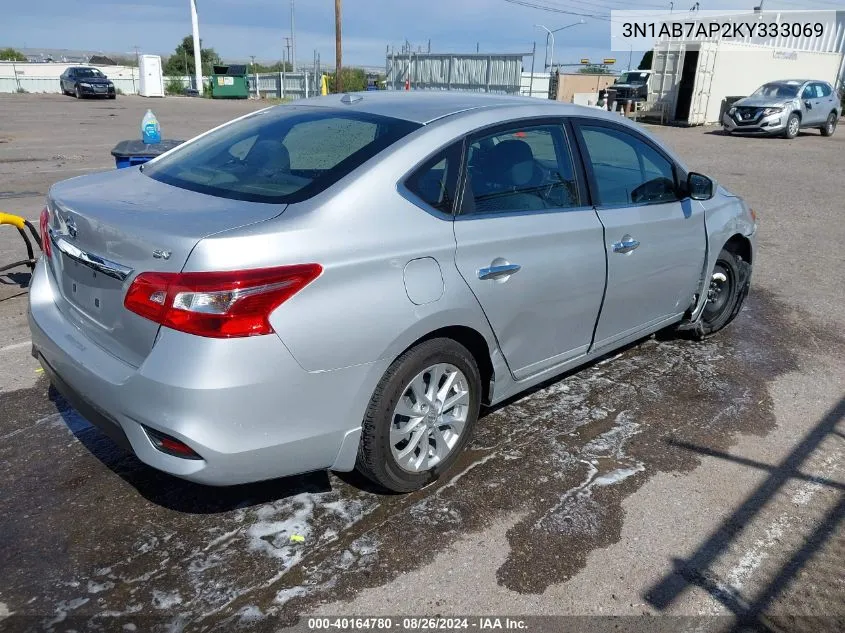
(563, 457)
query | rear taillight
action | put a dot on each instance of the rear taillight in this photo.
(219, 304)
(44, 227)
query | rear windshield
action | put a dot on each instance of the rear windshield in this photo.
(282, 155)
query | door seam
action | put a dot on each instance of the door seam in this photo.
(606, 274)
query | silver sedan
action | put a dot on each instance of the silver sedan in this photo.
(344, 282)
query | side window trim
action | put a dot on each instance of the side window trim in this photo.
(569, 145)
(459, 147)
(577, 122)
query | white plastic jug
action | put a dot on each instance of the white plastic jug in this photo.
(150, 129)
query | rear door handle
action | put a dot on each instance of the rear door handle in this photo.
(497, 272)
(627, 244)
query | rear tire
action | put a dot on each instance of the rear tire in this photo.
(793, 125)
(830, 125)
(728, 288)
(407, 461)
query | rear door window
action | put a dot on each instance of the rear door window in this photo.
(526, 168)
(282, 155)
(822, 90)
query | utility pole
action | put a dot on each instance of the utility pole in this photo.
(338, 49)
(288, 45)
(138, 68)
(197, 49)
(292, 37)
(255, 76)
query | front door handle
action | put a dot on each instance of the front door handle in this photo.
(627, 244)
(497, 272)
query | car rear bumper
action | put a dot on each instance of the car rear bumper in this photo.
(243, 405)
(773, 124)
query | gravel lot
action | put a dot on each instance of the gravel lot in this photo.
(684, 480)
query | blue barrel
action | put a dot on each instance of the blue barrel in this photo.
(136, 152)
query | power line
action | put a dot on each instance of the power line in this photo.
(607, 4)
(534, 5)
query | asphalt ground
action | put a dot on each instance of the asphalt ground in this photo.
(673, 486)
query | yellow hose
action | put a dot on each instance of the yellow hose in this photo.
(14, 220)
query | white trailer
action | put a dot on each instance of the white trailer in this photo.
(693, 78)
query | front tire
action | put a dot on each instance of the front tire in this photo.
(729, 284)
(830, 125)
(793, 125)
(77, 92)
(421, 416)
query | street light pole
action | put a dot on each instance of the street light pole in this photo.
(546, 62)
(550, 33)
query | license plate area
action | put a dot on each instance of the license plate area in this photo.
(90, 291)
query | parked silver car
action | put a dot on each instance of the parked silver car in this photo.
(346, 281)
(784, 108)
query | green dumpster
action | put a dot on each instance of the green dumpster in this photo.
(230, 82)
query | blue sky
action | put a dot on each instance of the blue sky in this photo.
(240, 28)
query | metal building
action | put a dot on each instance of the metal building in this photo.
(692, 78)
(477, 72)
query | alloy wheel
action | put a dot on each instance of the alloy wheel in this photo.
(429, 418)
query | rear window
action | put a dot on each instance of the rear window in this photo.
(283, 155)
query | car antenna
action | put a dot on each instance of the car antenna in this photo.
(348, 98)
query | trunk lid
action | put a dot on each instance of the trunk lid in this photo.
(108, 228)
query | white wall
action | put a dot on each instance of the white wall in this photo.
(742, 68)
(44, 77)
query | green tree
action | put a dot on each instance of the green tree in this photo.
(354, 80)
(595, 69)
(645, 62)
(12, 55)
(183, 58)
(125, 61)
(272, 68)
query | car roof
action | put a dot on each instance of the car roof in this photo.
(793, 82)
(422, 106)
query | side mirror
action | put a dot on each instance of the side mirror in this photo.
(808, 105)
(699, 186)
